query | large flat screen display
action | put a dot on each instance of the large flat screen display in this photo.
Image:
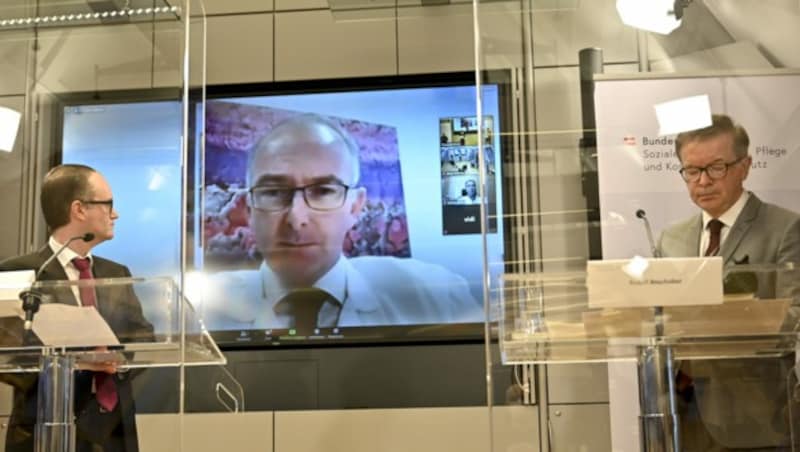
(361, 198)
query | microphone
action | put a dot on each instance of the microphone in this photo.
(31, 299)
(653, 249)
(88, 237)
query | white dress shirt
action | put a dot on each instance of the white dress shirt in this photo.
(65, 259)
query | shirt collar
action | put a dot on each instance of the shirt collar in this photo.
(334, 282)
(731, 215)
(66, 256)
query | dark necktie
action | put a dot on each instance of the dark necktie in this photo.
(714, 229)
(105, 388)
(303, 306)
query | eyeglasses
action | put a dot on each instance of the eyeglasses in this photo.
(108, 202)
(714, 171)
(327, 196)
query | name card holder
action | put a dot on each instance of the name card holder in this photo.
(650, 282)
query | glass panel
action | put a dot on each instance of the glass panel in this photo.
(146, 316)
(605, 162)
(105, 84)
(143, 328)
(549, 317)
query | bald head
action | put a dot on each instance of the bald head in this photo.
(303, 133)
(313, 160)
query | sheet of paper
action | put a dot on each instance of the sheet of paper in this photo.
(72, 326)
(11, 284)
(639, 282)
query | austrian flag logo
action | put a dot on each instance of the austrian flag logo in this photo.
(629, 140)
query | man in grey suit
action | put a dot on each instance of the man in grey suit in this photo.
(304, 197)
(740, 404)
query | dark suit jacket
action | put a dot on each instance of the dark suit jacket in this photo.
(120, 307)
(743, 402)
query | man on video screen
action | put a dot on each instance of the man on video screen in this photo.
(303, 198)
(469, 194)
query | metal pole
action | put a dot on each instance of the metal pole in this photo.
(590, 62)
(55, 425)
(659, 417)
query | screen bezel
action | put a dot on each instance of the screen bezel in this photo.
(360, 336)
(451, 333)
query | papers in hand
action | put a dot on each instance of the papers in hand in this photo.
(55, 324)
(59, 324)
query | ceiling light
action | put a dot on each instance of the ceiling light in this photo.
(659, 16)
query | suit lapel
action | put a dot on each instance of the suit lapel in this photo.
(55, 272)
(740, 228)
(695, 229)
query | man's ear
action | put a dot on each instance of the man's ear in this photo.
(77, 211)
(360, 195)
(748, 162)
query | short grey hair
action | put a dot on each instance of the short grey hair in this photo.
(307, 122)
(720, 124)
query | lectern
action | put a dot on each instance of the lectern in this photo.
(546, 318)
(66, 337)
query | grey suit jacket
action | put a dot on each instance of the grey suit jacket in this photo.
(764, 233)
(743, 402)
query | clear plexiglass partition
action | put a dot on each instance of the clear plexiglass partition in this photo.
(145, 327)
(66, 64)
(598, 92)
(550, 317)
(142, 322)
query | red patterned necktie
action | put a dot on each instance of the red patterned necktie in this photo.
(105, 388)
(714, 229)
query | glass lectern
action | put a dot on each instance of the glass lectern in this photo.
(547, 318)
(136, 324)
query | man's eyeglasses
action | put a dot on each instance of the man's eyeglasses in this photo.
(108, 202)
(714, 171)
(327, 196)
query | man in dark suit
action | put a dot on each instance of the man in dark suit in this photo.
(77, 200)
(741, 403)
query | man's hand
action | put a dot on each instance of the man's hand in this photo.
(108, 366)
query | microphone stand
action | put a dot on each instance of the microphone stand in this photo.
(55, 425)
(659, 421)
(33, 298)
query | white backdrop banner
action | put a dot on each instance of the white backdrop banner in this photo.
(638, 168)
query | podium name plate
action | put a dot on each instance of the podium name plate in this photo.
(640, 282)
